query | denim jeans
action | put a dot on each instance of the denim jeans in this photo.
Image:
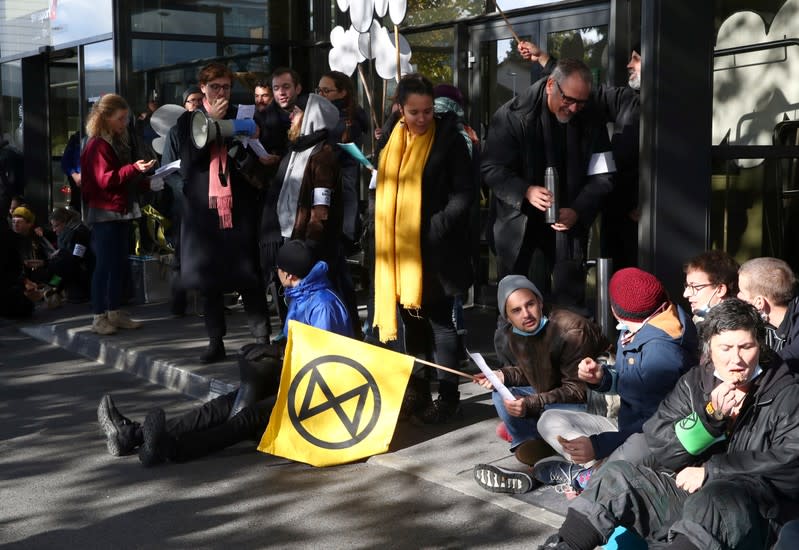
(523, 429)
(110, 241)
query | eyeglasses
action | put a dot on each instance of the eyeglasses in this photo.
(195, 101)
(694, 289)
(569, 100)
(325, 91)
(216, 87)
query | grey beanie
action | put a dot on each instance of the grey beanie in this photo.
(189, 91)
(510, 284)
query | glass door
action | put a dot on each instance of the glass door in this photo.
(64, 106)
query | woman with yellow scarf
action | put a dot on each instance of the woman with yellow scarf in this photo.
(425, 185)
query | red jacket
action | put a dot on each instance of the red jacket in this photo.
(104, 180)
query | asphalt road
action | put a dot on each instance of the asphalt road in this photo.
(59, 488)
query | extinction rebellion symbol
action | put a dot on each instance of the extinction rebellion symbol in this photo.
(318, 402)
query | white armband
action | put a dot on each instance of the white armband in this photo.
(79, 251)
(601, 163)
(373, 181)
(322, 196)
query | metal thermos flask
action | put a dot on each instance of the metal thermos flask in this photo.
(551, 184)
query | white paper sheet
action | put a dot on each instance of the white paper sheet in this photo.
(245, 111)
(258, 148)
(165, 170)
(499, 386)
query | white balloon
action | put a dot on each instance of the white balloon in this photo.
(344, 56)
(361, 14)
(386, 55)
(364, 38)
(381, 7)
(165, 117)
(343, 5)
(396, 10)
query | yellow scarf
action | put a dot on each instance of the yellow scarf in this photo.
(398, 220)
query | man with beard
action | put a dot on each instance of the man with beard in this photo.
(621, 106)
(551, 124)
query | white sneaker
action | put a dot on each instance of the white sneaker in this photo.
(120, 319)
(100, 325)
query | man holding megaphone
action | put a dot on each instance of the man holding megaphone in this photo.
(219, 249)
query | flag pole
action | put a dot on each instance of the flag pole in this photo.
(441, 367)
(510, 27)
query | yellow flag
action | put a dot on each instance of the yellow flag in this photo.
(338, 401)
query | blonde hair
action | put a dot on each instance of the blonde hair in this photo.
(102, 110)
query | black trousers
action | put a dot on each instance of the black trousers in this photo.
(206, 429)
(254, 304)
(721, 514)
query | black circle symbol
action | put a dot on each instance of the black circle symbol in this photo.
(334, 402)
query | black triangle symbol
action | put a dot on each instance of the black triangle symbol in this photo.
(333, 402)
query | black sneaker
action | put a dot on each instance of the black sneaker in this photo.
(214, 352)
(554, 470)
(122, 435)
(154, 428)
(499, 480)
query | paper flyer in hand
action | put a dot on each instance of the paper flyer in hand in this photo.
(489, 374)
(245, 111)
(167, 169)
(356, 153)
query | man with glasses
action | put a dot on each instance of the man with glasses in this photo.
(710, 277)
(192, 98)
(549, 125)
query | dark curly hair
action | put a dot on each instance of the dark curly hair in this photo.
(731, 314)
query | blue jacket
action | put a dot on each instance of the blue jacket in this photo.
(646, 370)
(314, 303)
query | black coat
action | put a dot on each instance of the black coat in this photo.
(448, 189)
(514, 158)
(761, 448)
(212, 258)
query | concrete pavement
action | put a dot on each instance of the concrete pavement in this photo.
(423, 460)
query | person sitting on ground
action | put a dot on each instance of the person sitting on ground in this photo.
(769, 284)
(710, 277)
(547, 350)
(656, 346)
(242, 414)
(723, 464)
(73, 260)
(33, 248)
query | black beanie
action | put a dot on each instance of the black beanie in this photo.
(190, 90)
(295, 258)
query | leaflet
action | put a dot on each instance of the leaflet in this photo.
(356, 153)
(489, 374)
(167, 169)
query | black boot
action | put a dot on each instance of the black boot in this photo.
(158, 445)
(121, 433)
(214, 352)
(259, 376)
(446, 406)
(417, 397)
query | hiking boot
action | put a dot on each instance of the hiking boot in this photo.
(120, 319)
(556, 471)
(441, 411)
(417, 398)
(214, 352)
(100, 325)
(555, 542)
(152, 450)
(122, 435)
(499, 480)
(531, 451)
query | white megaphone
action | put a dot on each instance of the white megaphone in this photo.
(205, 130)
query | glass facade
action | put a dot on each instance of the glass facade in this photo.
(27, 25)
(11, 125)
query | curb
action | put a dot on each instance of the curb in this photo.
(110, 353)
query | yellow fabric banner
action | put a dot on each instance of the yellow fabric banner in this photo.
(338, 401)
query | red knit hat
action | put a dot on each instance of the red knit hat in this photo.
(635, 294)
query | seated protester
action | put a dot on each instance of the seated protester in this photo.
(33, 248)
(73, 260)
(242, 414)
(769, 284)
(723, 464)
(14, 303)
(710, 277)
(657, 345)
(547, 350)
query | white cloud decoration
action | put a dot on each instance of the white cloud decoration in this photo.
(366, 38)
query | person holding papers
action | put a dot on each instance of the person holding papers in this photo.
(244, 413)
(547, 349)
